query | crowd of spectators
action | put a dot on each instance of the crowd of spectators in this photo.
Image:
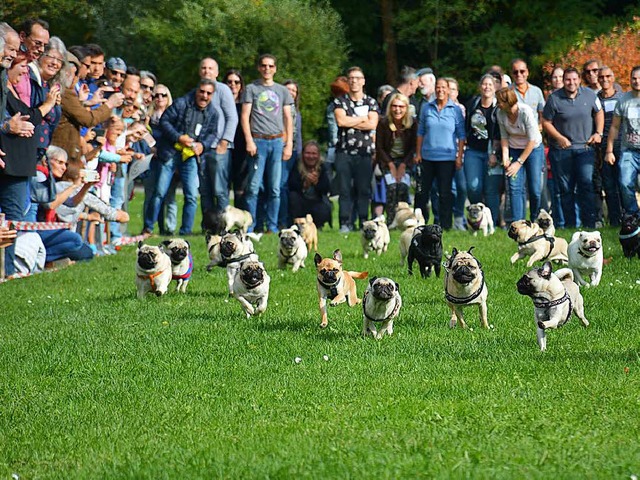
(78, 127)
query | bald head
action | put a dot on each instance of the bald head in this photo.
(208, 68)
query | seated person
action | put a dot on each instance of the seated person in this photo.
(309, 186)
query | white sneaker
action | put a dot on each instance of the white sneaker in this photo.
(458, 223)
(344, 229)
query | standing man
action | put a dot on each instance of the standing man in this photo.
(34, 38)
(627, 115)
(574, 120)
(189, 128)
(116, 72)
(357, 118)
(407, 86)
(216, 166)
(427, 88)
(268, 129)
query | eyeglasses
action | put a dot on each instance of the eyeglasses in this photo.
(205, 92)
(521, 72)
(267, 65)
(234, 82)
(38, 44)
(87, 65)
(592, 70)
(146, 87)
(355, 78)
(117, 73)
(399, 106)
(161, 95)
(55, 59)
(59, 162)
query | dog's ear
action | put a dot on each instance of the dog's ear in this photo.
(471, 249)
(528, 223)
(337, 255)
(188, 244)
(309, 217)
(207, 237)
(140, 244)
(397, 286)
(238, 233)
(165, 243)
(280, 234)
(454, 252)
(372, 279)
(317, 258)
(545, 271)
(468, 208)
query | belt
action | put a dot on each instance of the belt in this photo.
(268, 137)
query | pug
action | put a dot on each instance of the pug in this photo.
(375, 236)
(586, 258)
(235, 248)
(291, 249)
(629, 235)
(405, 239)
(479, 218)
(380, 305)
(403, 213)
(533, 241)
(179, 252)
(426, 249)
(251, 287)
(464, 285)
(555, 296)
(213, 247)
(153, 270)
(335, 284)
(235, 218)
(309, 231)
(546, 223)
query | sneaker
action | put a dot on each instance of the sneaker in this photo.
(458, 223)
(344, 229)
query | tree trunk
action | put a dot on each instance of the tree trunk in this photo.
(389, 42)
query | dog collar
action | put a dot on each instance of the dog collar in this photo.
(393, 313)
(186, 275)
(151, 279)
(580, 252)
(475, 225)
(241, 258)
(625, 236)
(333, 288)
(463, 300)
(549, 239)
(546, 304)
(287, 257)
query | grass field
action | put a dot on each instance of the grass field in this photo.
(96, 384)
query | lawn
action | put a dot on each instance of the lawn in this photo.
(96, 384)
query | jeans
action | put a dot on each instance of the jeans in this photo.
(573, 172)
(117, 201)
(265, 169)
(64, 244)
(483, 184)
(354, 174)
(188, 171)
(531, 173)
(214, 181)
(284, 215)
(443, 172)
(13, 202)
(629, 169)
(459, 193)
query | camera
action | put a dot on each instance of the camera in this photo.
(90, 176)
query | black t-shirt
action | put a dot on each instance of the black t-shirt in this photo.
(481, 126)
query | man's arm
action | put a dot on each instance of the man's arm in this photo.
(599, 123)
(563, 142)
(345, 121)
(614, 129)
(246, 128)
(288, 133)
(230, 116)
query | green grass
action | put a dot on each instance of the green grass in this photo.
(96, 384)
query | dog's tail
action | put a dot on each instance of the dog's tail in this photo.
(564, 274)
(358, 275)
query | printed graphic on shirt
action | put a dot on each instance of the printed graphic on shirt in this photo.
(268, 103)
(479, 125)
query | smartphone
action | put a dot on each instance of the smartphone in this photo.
(99, 132)
(90, 176)
(107, 94)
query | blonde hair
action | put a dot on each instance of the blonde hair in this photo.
(302, 168)
(407, 120)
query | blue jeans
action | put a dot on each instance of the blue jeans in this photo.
(483, 185)
(214, 181)
(117, 201)
(64, 244)
(629, 168)
(573, 171)
(265, 169)
(188, 171)
(459, 192)
(13, 203)
(531, 173)
(284, 216)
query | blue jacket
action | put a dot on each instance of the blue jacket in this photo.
(441, 131)
(173, 124)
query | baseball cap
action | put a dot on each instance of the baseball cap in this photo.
(116, 63)
(424, 71)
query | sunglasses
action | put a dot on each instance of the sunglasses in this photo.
(146, 87)
(161, 95)
(119, 74)
(267, 65)
(234, 82)
(205, 92)
(521, 72)
(592, 70)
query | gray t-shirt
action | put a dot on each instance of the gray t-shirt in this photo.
(533, 97)
(267, 107)
(628, 108)
(572, 117)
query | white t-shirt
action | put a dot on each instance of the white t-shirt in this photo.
(523, 130)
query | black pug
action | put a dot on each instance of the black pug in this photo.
(426, 248)
(213, 223)
(629, 235)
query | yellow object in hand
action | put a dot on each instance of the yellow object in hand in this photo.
(187, 152)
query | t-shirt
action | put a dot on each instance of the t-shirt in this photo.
(523, 130)
(628, 108)
(267, 107)
(533, 97)
(609, 105)
(572, 117)
(480, 125)
(352, 140)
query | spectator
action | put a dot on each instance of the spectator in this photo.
(625, 120)
(309, 186)
(383, 92)
(440, 146)
(115, 72)
(590, 71)
(483, 171)
(357, 116)
(34, 38)
(520, 142)
(556, 78)
(189, 128)
(395, 148)
(268, 130)
(284, 217)
(339, 87)
(239, 169)
(147, 84)
(574, 121)
(96, 66)
(407, 86)
(459, 186)
(426, 85)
